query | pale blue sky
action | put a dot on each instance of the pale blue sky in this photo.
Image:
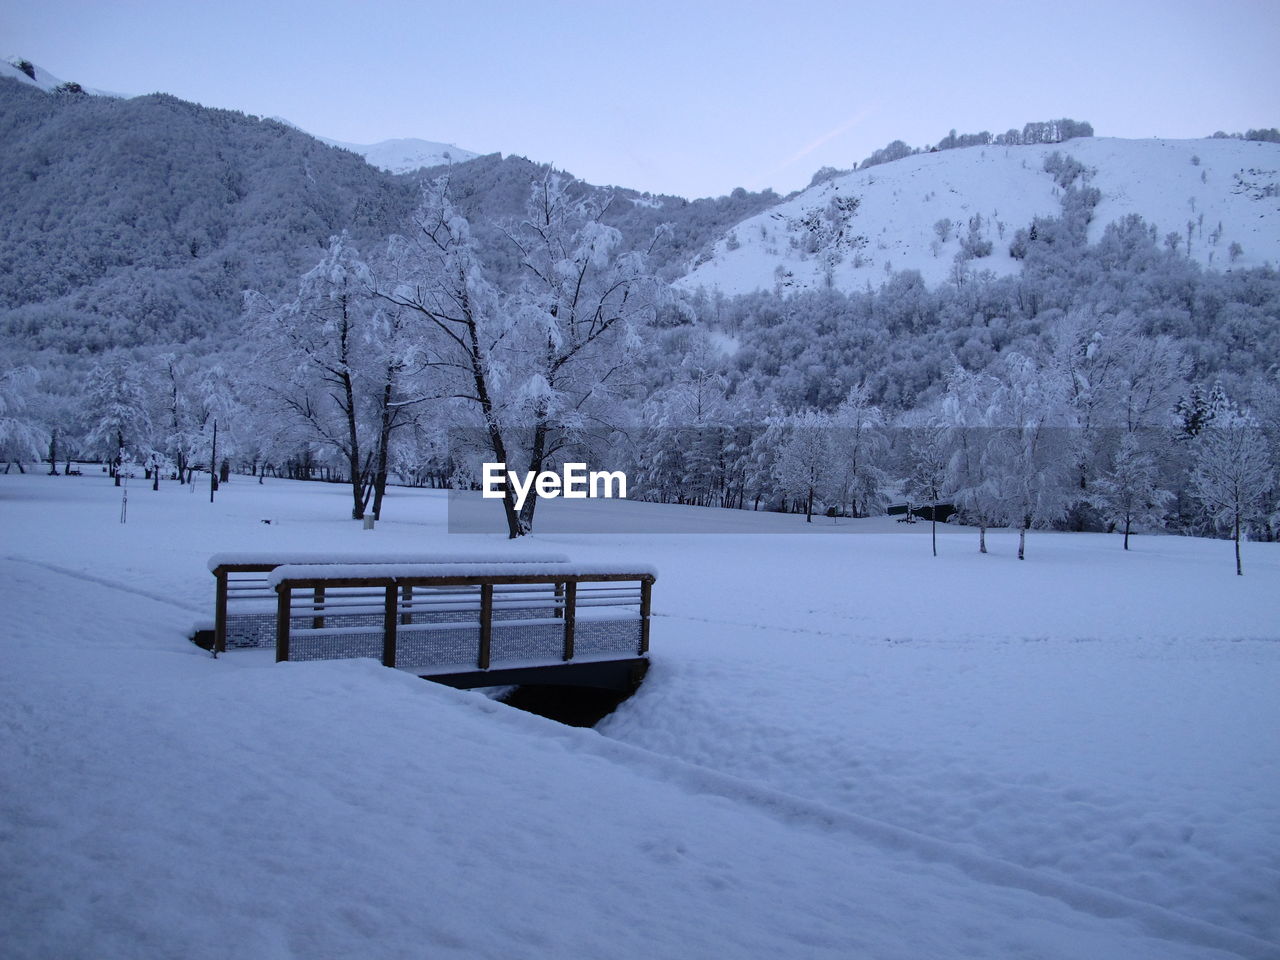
(689, 98)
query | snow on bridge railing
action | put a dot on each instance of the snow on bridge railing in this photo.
(244, 605)
(445, 618)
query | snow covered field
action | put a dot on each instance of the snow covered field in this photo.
(845, 748)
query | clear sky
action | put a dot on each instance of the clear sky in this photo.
(691, 98)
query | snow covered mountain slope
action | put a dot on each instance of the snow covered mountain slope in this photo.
(42, 78)
(405, 155)
(401, 155)
(854, 229)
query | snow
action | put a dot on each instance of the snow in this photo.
(524, 567)
(515, 553)
(43, 79)
(844, 748)
(405, 155)
(1168, 182)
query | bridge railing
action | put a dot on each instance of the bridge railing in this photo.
(442, 618)
(245, 602)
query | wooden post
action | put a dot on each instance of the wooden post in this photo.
(213, 455)
(570, 616)
(317, 604)
(559, 595)
(486, 625)
(220, 614)
(284, 604)
(646, 597)
(406, 594)
(389, 626)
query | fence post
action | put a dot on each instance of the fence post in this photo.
(646, 597)
(284, 605)
(220, 614)
(389, 619)
(486, 625)
(317, 602)
(406, 594)
(570, 616)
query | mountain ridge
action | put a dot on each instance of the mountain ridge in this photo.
(918, 212)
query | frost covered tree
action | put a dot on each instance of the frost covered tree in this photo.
(117, 411)
(683, 453)
(858, 449)
(544, 364)
(1115, 381)
(1129, 493)
(192, 397)
(968, 412)
(434, 271)
(803, 469)
(1030, 447)
(576, 321)
(334, 360)
(927, 460)
(310, 350)
(1230, 474)
(20, 437)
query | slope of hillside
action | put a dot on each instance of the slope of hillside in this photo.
(405, 155)
(16, 68)
(142, 221)
(854, 229)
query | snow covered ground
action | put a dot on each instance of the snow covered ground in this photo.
(845, 748)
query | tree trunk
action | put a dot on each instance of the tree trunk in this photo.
(480, 380)
(1126, 532)
(1022, 542)
(537, 455)
(1239, 568)
(385, 426)
(934, 528)
(353, 448)
(53, 454)
(982, 537)
(808, 507)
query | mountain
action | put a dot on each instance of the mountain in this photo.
(24, 71)
(138, 222)
(920, 212)
(405, 155)
(130, 222)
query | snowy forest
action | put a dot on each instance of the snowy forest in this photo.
(170, 270)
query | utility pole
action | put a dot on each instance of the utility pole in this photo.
(213, 463)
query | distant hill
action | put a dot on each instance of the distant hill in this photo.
(140, 222)
(136, 221)
(405, 155)
(32, 74)
(916, 213)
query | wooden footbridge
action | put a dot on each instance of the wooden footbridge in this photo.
(465, 621)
